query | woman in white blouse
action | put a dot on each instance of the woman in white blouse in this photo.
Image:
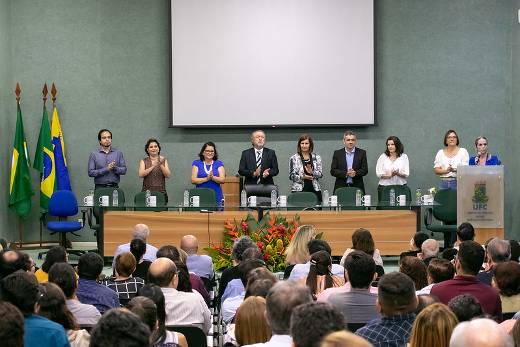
(449, 159)
(392, 166)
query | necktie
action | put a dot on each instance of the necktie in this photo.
(258, 163)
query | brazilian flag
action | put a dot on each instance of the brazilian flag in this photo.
(44, 162)
(20, 187)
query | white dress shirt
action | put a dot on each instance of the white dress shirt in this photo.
(275, 341)
(385, 166)
(183, 308)
(443, 161)
(302, 270)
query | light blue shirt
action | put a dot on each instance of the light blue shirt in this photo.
(200, 265)
(349, 156)
(234, 288)
(149, 255)
(302, 270)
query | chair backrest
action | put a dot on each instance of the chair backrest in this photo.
(399, 190)
(352, 327)
(63, 203)
(194, 335)
(260, 190)
(445, 206)
(107, 191)
(140, 201)
(347, 196)
(302, 199)
(207, 197)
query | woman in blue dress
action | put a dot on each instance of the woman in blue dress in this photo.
(483, 157)
(208, 171)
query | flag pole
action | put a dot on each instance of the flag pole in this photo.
(45, 91)
(53, 93)
(17, 92)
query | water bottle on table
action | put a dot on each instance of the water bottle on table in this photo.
(392, 197)
(273, 198)
(418, 195)
(115, 198)
(186, 198)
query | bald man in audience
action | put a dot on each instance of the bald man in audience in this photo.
(201, 265)
(480, 332)
(142, 232)
(497, 251)
(182, 308)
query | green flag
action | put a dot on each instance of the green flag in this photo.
(20, 188)
(44, 162)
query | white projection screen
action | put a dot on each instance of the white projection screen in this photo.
(240, 63)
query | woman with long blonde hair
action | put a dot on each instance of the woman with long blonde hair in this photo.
(297, 252)
(433, 327)
(250, 322)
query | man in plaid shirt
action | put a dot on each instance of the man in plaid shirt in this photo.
(396, 302)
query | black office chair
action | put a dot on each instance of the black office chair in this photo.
(140, 202)
(194, 335)
(347, 198)
(445, 211)
(262, 193)
(207, 199)
(384, 199)
(301, 201)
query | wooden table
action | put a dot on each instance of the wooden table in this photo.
(391, 229)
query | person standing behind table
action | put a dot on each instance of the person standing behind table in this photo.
(449, 159)
(483, 157)
(154, 169)
(107, 163)
(258, 164)
(208, 171)
(392, 166)
(349, 164)
(305, 168)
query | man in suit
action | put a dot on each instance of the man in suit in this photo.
(349, 164)
(258, 164)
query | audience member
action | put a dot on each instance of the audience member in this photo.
(344, 339)
(138, 249)
(312, 321)
(251, 323)
(11, 325)
(429, 251)
(362, 241)
(297, 252)
(439, 270)
(415, 245)
(64, 276)
(182, 308)
(160, 337)
(414, 268)
(56, 254)
(21, 290)
(497, 251)
(320, 276)
(120, 327)
(515, 333)
(515, 250)
(466, 307)
(465, 232)
(467, 265)
(51, 305)
(315, 245)
(142, 232)
(423, 301)
(13, 260)
(480, 332)
(433, 327)
(123, 283)
(358, 305)
(396, 303)
(450, 253)
(507, 280)
(201, 265)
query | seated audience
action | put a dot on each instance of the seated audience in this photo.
(362, 241)
(142, 232)
(13, 260)
(466, 307)
(358, 305)
(396, 303)
(21, 290)
(315, 245)
(515, 250)
(161, 337)
(120, 327)
(312, 321)
(64, 276)
(449, 253)
(433, 327)
(320, 276)
(507, 280)
(343, 339)
(415, 245)
(465, 232)
(423, 301)
(439, 270)
(90, 266)
(250, 322)
(297, 251)
(429, 251)
(11, 325)
(201, 265)
(138, 249)
(281, 300)
(182, 308)
(123, 283)
(480, 332)
(56, 254)
(497, 251)
(51, 305)
(467, 265)
(414, 268)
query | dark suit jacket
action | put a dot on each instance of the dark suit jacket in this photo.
(248, 166)
(338, 168)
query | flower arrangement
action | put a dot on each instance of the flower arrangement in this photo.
(432, 191)
(272, 235)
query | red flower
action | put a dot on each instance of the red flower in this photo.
(260, 245)
(266, 257)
